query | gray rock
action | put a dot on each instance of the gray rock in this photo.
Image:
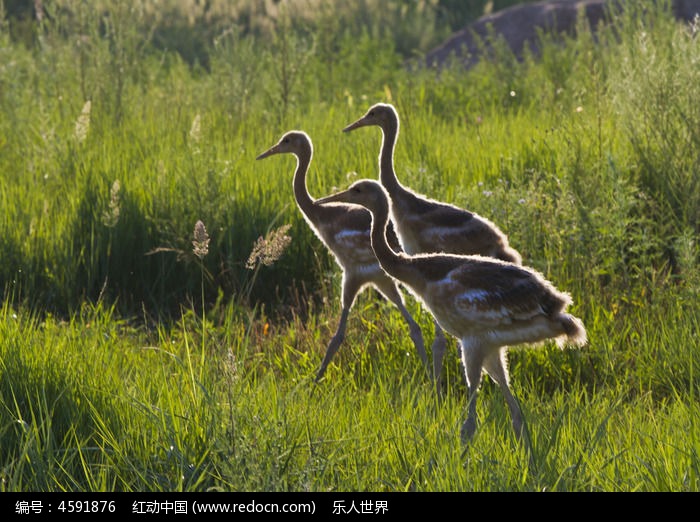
(520, 26)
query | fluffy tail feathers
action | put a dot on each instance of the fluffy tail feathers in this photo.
(574, 331)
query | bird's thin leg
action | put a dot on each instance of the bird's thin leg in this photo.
(416, 334)
(496, 366)
(350, 289)
(472, 359)
(438, 348)
(335, 342)
(391, 292)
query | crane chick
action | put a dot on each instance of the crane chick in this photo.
(426, 225)
(487, 304)
(344, 229)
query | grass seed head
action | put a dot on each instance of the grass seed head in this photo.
(270, 248)
(201, 240)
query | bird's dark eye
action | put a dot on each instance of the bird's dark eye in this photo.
(371, 113)
(286, 140)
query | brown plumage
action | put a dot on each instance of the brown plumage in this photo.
(425, 225)
(486, 303)
(344, 229)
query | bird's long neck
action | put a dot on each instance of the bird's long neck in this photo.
(387, 175)
(301, 193)
(394, 264)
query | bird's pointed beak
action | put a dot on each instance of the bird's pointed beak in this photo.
(356, 125)
(338, 197)
(268, 152)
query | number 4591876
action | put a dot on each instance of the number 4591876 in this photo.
(86, 506)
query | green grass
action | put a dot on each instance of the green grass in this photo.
(95, 404)
(128, 363)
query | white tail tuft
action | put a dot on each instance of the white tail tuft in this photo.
(574, 330)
